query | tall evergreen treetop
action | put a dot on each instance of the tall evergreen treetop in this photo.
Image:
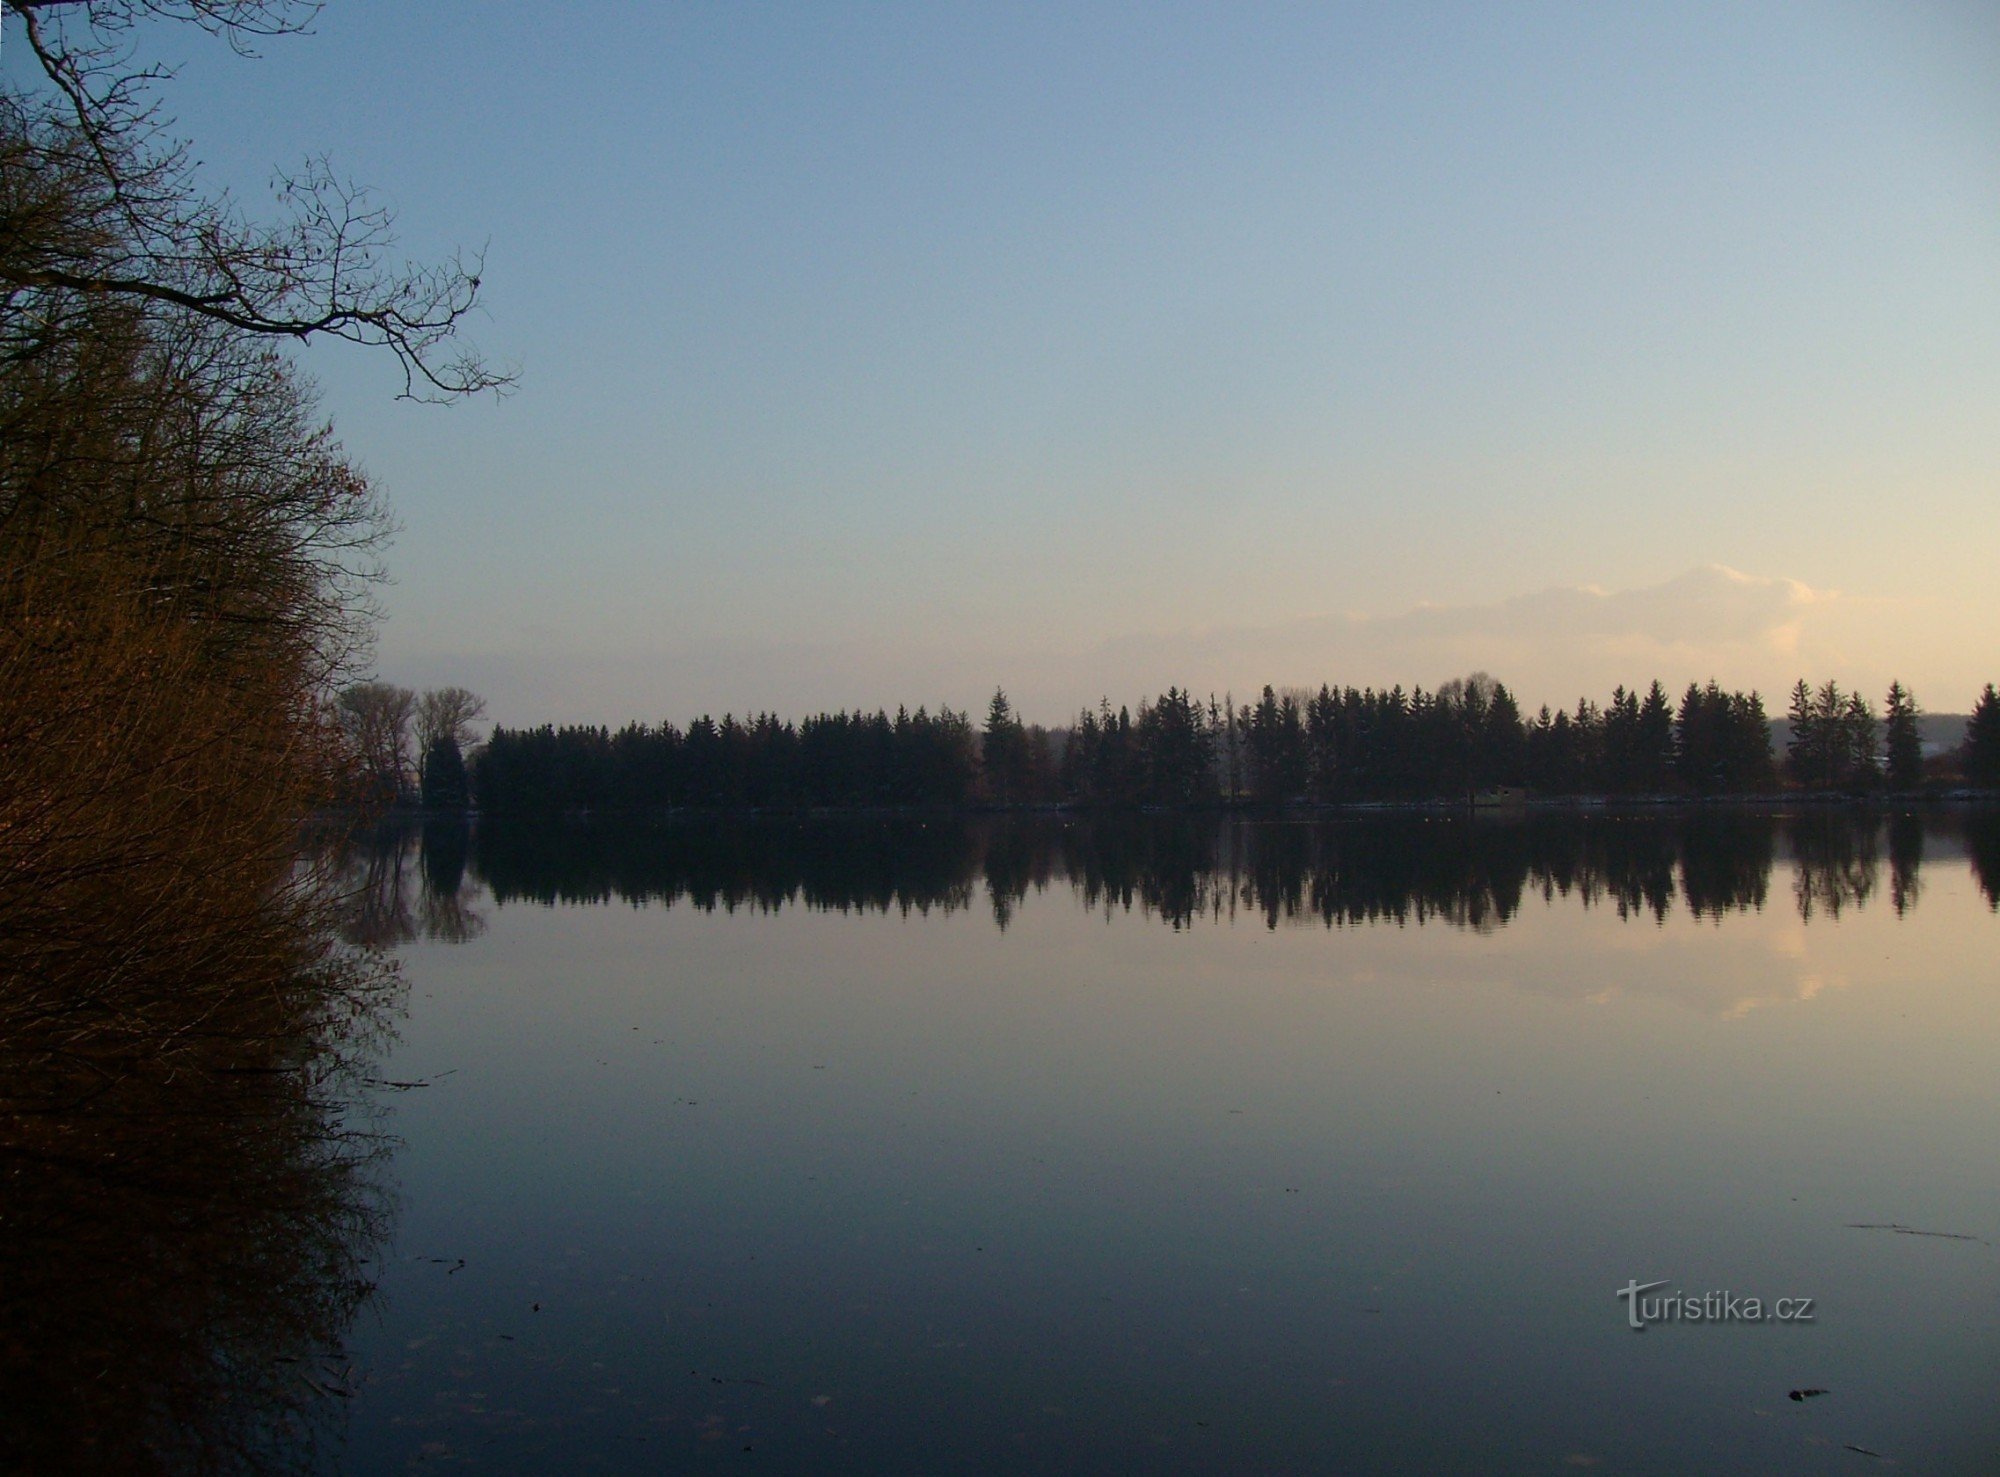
(1903, 749)
(1981, 755)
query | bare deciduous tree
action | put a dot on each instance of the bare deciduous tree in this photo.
(375, 717)
(447, 713)
(96, 153)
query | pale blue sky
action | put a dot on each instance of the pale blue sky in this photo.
(878, 354)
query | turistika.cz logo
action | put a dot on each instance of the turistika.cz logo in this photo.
(1707, 1307)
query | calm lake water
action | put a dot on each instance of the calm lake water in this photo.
(1173, 1147)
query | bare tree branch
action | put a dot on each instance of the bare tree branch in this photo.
(323, 268)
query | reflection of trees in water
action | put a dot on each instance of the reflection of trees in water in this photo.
(1834, 863)
(192, 1195)
(1725, 862)
(1470, 874)
(377, 891)
(849, 866)
(1635, 860)
(1466, 871)
(1017, 858)
(1278, 861)
(1906, 858)
(1982, 844)
(1165, 865)
(403, 880)
(444, 905)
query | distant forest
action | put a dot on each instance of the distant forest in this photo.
(1335, 746)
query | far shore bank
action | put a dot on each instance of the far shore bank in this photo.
(1774, 803)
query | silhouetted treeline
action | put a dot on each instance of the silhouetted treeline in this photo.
(1472, 872)
(1336, 746)
(1342, 745)
(831, 759)
(1331, 747)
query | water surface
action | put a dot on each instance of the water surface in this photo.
(1168, 1146)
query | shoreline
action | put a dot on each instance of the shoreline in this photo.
(1776, 803)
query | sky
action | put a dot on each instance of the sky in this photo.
(878, 354)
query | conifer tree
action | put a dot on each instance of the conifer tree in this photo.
(1006, 751)
(1830, 723)
(444, 784)
(1803, 754)
(1653, 756)
(1696, 740)
(1981, 754)
(1861, 761)
(1621, 740)
(1904, 749)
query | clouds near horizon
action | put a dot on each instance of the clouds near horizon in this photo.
(1551, 645)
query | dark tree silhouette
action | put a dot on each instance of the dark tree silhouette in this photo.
(1008, 756)
(1980, 758)
(445, 785)
(1903, 748)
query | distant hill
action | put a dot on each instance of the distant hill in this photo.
(1940, 732)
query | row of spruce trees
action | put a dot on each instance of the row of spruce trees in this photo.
(1334, 746)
